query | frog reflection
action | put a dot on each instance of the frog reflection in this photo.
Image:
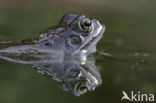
(71, 75)
(61, 52)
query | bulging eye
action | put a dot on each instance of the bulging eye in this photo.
(85, 25)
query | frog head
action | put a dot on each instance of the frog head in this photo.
(75, 34)
(82, 34)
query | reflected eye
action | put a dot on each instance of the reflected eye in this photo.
(85, 25)
(82, 87)
(75, 39)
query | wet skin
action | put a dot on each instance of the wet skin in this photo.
(72, 39)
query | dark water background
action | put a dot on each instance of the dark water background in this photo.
(130, 38)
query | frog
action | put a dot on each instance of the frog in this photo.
(74, 35)
(67, 44)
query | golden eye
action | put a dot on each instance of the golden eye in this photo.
(85, 25)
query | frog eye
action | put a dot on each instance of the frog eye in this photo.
(82, 87)
(85, 25)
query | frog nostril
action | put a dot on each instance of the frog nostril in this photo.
(48, 44)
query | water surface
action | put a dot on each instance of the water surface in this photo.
(129, 39)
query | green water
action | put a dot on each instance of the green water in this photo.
(130, 39)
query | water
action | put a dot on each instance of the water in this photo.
(129, 40)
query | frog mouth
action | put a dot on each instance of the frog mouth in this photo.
(96, 37)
